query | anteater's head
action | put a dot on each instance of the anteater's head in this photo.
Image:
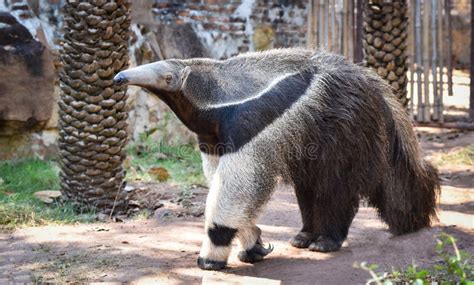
(160, 77)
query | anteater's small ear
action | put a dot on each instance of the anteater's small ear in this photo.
(184, 75)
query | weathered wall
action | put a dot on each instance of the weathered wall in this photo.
(28, 95)
(230, 27)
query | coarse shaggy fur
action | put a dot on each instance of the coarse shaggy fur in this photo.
(331, 129)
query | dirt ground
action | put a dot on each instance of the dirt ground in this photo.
(164, 248)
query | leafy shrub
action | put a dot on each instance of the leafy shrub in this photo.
(454, 267)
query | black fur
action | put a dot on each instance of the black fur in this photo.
(256, 253)
(221, 235)
(325, 244)
(207, 264)
(236, 125)
(302, 240)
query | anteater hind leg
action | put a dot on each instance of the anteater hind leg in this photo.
(332, 218)
(232, 206)
(305, 202)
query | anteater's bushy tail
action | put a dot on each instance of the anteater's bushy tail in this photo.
(407, 199)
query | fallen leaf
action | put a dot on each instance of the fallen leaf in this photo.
(159, 173)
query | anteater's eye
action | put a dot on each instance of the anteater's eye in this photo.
(168, 78)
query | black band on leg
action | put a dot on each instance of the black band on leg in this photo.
(221, 235)
(207, 264)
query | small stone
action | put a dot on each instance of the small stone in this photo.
(101, 217)
(129, 188)
(157, 205)
(162, 213)
(47, 196)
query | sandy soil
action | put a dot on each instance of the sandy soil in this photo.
(164, 248)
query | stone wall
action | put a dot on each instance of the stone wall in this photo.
(231, 27)
(28, 85)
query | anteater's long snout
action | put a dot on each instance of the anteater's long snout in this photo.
(121, 78)
(142, 75)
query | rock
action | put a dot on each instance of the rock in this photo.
(119, 218)
(161, 155)
(27, 85)
(101, 217)
(162, 213)
(129, 188)
(196, 210)
(47, 196)
(157, 205)
(134, 203)
(179, 41)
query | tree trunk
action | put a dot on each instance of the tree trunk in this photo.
(92, 115)
(471, 99)
(385, 42)
(358, 37)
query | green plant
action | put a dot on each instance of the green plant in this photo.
(454, 267)
(457, 267)
(183, 162)
(19, 180)
(463, 155)
(142, 215)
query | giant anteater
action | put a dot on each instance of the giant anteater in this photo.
(329, 128)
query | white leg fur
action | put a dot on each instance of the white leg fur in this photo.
(213, 252)
(209, 165)
(234, 201)
(208, 249)
(248, 237)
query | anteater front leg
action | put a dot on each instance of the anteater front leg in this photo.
(235, 198)
(252, 248)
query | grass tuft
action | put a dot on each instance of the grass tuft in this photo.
(19, 180)
(464, 156)
(182, 162)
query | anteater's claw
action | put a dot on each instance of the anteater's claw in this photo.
(256, 253)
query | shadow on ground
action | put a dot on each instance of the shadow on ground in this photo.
(166, 251)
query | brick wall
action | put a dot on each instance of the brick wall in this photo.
(228, 27)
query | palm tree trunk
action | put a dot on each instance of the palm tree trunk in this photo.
(92, 113)
(385, 42)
